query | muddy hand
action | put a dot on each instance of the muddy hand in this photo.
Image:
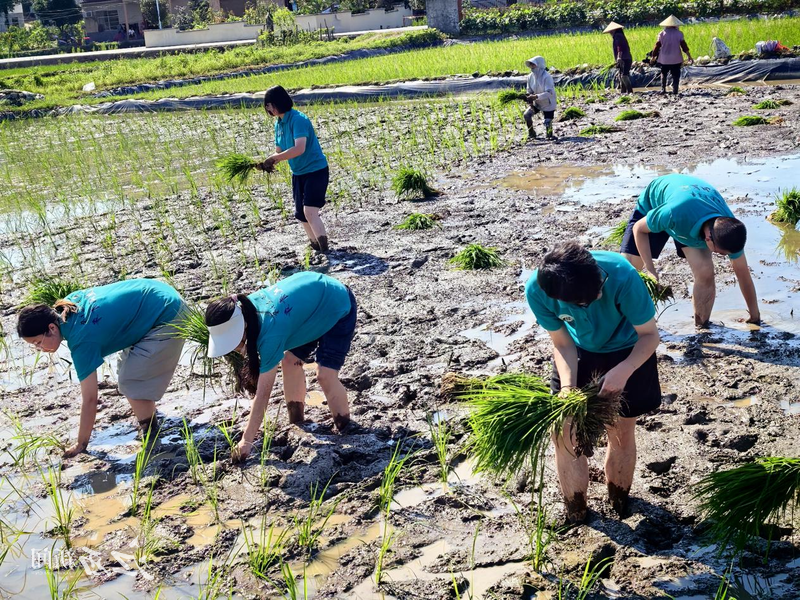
(241, 452)
(614, 381)
(74, 450)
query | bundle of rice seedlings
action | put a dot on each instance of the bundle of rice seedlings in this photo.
(735, 90)
(511, 423)
(631, 115)
(771, 104)
(661, 294)
(475, 257)
(624, 100)
(409, 183)
(236, 167)
(750, 120)
(46, 289)
(614, 238)
(742, 501)
(418, 221)
(788, 211)
(507, 96)
(455, 386)
(598, 130)
(572, 113)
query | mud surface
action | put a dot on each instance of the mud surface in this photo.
(730, 392)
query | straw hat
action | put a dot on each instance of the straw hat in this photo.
(612, 27)
(670, 21)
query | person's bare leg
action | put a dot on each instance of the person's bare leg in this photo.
(310, 233)
(317, 226)
(336, 396)
(703, 290)
(294, 387)
(636, 261)
(573, 476)
(620, 463)
(145, 413)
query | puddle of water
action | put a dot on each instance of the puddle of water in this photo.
(790, 408)
(648, 562)
(554, 180)
(315, 398)
(500, 342)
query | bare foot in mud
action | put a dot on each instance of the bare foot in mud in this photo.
(618, 497)
(296, 412)
(576, 509)
(342, 422)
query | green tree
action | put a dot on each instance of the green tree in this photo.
(57, 12)
(6, 6)
(150, 13)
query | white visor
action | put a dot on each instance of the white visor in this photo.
(227, 336)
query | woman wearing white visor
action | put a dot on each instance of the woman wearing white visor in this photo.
(285, 325)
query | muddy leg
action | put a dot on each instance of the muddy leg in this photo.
(294, 387)
(573, 476)
(336, 396)
(627, 88)
(317, 227)
(528, 116)
(548, 127)
(312, 239)
(620, 463)
(703, 289)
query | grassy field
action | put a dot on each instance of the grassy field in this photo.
(561, 51)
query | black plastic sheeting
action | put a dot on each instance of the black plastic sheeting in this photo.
(734, 72)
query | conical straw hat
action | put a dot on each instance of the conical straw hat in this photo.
(612, 27)
(670, 21)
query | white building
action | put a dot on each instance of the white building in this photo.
(15, 17)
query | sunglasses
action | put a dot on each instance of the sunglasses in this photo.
(602, 285)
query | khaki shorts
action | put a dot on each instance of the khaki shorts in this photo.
(145, 370)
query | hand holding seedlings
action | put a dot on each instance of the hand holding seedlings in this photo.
(267, 165)
(613, 382)
(241, 451)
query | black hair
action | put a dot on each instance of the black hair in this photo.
(570, 274)
(36, 319)
(220, 311)
(728, 234)
(279, 98)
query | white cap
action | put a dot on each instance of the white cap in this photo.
(227, 336)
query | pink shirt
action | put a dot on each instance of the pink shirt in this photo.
(670, 52)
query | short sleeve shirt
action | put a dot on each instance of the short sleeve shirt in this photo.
(295, 311)
(607, 324)
(113, 317)
(680, 205)
(288, 128)
(670, 51)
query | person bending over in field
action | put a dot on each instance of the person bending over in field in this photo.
(296, 142)
(695, 215)
(601, 321)
(285, 325)
(541, 97)
(136, 317)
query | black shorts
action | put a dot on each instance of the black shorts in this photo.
(331, 349)
(309, 190)
(642, 392)
(624, 65)
(548, 114)
(657, 240)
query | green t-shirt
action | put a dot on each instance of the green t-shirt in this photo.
(288, 128)
(607, 324)
(295, 311)
(113, 317)
(679, 205)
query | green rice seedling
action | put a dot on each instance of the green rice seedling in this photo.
(735, 90)
(192, 453)
(771, 104)
(624, 100)
(591, 575)
(390, 474)
(511, 424)
(209, 483)
(788, 207)
(290, 590)
(750, 120)
(410, 183)
(266, 551)
(440, 436)
(140, 465)
(236, 167)
(475, 257)
(572, 113)
(598, 130)
(508, 96)
(62, 509)
(538, 532)
(266, 444)
(226, 429)
(632, 115)
(661, 294)
(614, 238)
(419, 221)
(386, 544)
(216, 579)
(310, 528)
(149, 544)
(62, 588)
(724, 584)
(743, 502)
(47, 289)
(25, 447)
(455, 386)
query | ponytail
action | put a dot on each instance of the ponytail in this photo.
(66, 307)
(36, 319)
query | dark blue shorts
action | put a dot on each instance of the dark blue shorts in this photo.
(309, 190)
(331, 349)
(657, 240)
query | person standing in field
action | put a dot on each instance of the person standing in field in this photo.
(286, 324)
(669, 50)
(601, 322)
(541, 97)
(694, 214)
(137, 317)
(622, 55)
(297, 143)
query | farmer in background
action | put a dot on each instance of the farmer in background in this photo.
(136, 317)
(541, 97)
(286, 324)
(669, 50)
(622, 55)
(695, 215)
(601, 321)
(297, 143)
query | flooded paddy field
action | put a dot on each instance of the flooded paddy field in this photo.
(108, 206)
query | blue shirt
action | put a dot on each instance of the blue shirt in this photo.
(113, 317)
(288, 128)
(607, 324)
(679, 205)
(295, 311)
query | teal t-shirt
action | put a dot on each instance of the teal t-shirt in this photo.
(113, 317)
(607, 324)
(679, 205)
(288, 128)
(295, 311)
